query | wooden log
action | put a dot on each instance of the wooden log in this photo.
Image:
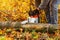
(36, 26)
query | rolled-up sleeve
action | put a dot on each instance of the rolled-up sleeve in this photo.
(43, 4)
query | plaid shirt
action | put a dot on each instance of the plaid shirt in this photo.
(44, 3)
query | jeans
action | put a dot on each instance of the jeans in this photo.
(52, 12)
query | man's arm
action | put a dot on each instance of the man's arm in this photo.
(43, 4)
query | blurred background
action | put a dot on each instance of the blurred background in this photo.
(17, 10)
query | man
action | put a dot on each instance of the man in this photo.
(51, 9)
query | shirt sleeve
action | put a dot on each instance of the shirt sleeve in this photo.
(43, 4)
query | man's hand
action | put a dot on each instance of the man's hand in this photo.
(38, 9)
